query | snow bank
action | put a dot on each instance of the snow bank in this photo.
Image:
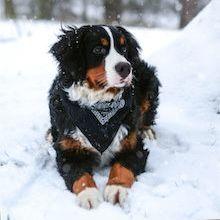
(189, 121)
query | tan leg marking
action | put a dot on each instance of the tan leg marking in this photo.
(120, 180)
(129, 142)
(88, 196)
(83, 182)
(145, 105)
(120, 175)
(68, 143)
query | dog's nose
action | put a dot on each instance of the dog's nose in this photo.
(123, 69)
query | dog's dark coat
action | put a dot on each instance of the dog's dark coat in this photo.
(72, 52)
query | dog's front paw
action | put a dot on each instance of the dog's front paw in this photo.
(49, 137)
(149, 133)
(89, 198)
(115, 194)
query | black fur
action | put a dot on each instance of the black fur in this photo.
(73, 53)
(72, 164)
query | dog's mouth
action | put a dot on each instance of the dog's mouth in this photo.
(127, 81)
(97, 79)
(122, 82)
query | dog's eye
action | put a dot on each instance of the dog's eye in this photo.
(99, 50)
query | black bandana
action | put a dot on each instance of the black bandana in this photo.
(101, 121)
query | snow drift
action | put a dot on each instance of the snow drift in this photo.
(189, 120)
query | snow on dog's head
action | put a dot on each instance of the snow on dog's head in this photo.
(100, 56)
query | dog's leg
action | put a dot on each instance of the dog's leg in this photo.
(148, 111)
(75, 164)
(120, 180)
(147, 88)
(127, 164)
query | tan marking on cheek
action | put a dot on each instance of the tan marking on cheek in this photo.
(129, 142)
(96, 77)
(104, 42)
(145, 105)
(120, 175)
(122, 40)
(83, 182)
(69, 143)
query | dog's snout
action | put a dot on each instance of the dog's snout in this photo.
(123, 69)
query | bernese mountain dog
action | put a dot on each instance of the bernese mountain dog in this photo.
(102, 105)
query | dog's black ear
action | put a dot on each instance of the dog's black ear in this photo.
(69, 44)
(69, 52)
(133, 46)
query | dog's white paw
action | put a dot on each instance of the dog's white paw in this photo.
(49, 137)
(115, 194)
(89, 198)
(149, 134)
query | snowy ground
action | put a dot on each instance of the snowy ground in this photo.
(183, 173)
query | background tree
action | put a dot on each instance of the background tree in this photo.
(188, 12)
(45, 9)
(113, 11)
(62, 10)
(190, 8)
(84, 13)
(148, 13)
(9, 9)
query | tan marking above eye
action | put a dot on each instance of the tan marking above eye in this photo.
(122, 40)
(104, 42)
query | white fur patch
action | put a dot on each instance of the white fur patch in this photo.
(79, 136)
(87, 96)
(112, 59)
(49, 137)
(89, 198)
(115, 193)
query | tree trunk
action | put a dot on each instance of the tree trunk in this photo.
(113, 11)
(45, 9)
(9, 9)
(188, 12)
(84, 14)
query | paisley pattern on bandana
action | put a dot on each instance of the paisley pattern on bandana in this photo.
(104, 111)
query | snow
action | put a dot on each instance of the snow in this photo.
(183, 172)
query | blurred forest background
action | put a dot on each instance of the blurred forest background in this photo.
(148, 13)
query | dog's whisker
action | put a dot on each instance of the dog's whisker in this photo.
(101, 80)
(100, 77)
(102, 83)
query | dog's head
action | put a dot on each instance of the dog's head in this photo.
(102, 56)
